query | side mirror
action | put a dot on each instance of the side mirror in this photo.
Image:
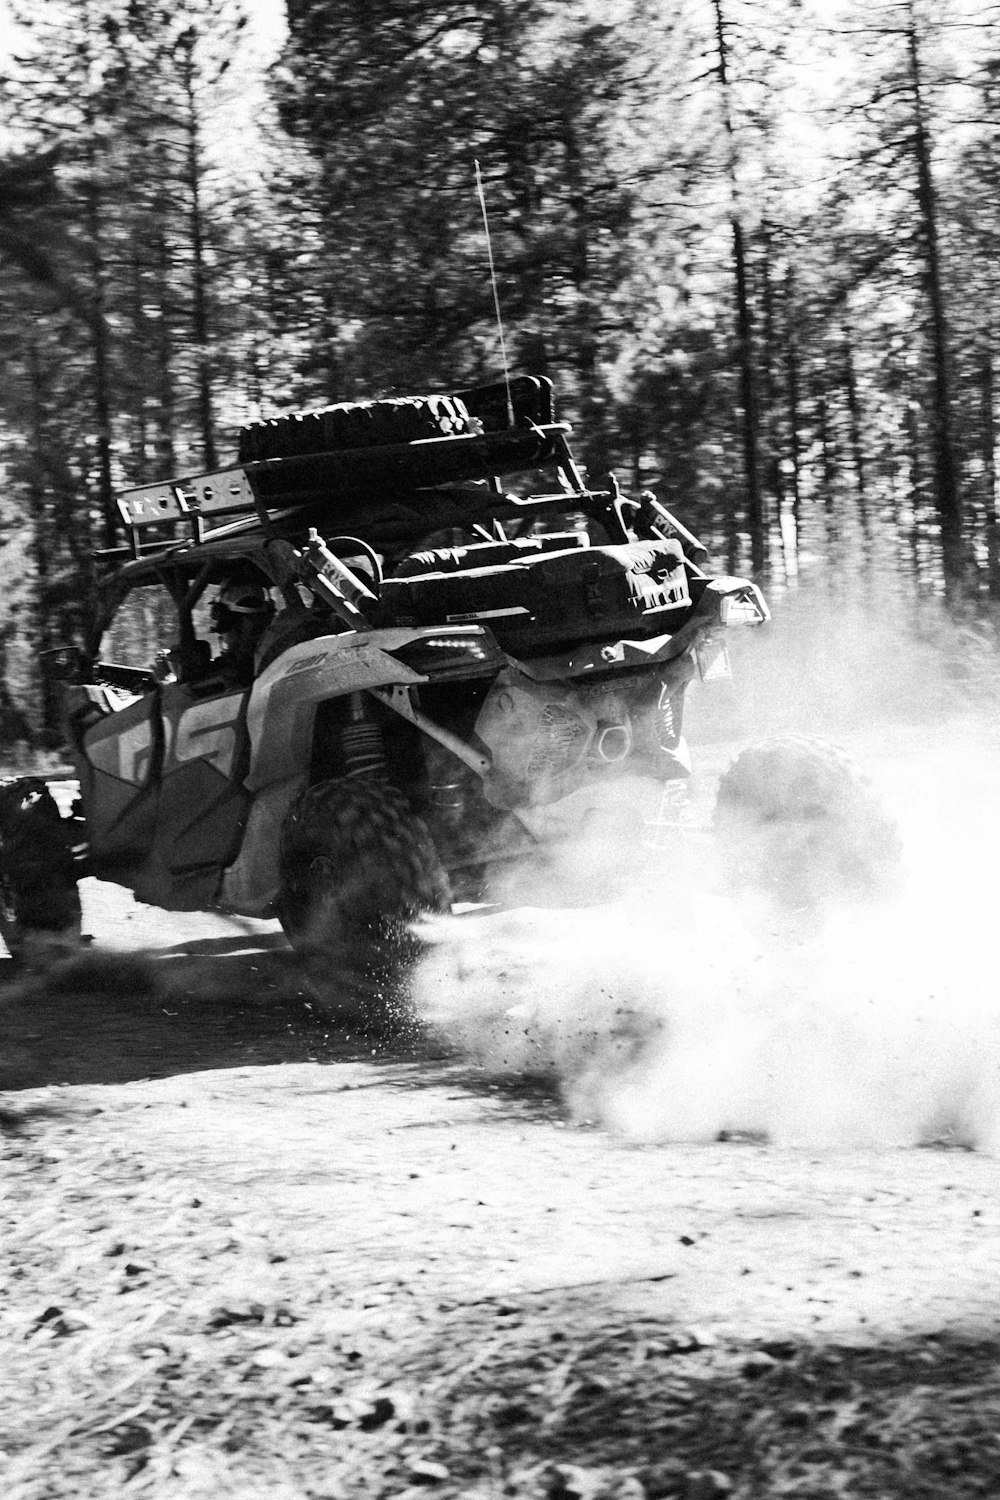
(65, 663)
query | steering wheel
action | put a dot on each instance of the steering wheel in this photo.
(340, 544)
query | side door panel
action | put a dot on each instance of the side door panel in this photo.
(202, 805)
(118, 758)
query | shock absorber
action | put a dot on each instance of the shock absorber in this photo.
(361, 740)
(446, 787)
(448, 797)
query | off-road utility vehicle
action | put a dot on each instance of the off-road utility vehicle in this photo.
(463, 651)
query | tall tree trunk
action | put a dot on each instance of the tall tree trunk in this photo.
(199, 279)
(988, 450)
(744, 322)
(946, 485)
(163, 379)
(595, 439)
(97, 324)
(140, 445)
(41, 540)
(857, 445)
(101, 356)
(793, 388)
(829, 471)
(773, 427)
(917, 487)
(769, 378)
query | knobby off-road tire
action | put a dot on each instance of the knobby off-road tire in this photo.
(39, 900)
(798, 820)
(358, 868)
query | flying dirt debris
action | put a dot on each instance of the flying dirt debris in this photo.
(445, 657)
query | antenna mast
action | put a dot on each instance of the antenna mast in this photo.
(496, 296)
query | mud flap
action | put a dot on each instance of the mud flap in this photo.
(251, 885)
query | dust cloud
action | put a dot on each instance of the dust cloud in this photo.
(683, 1009)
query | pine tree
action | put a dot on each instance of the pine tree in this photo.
(395, 101)
(116, 331)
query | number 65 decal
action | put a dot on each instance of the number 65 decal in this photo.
(205, 731)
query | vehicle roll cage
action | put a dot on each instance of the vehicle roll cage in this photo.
(185, 533)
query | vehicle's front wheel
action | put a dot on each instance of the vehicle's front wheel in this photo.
(358, 869)
(39, 899)
(797, 819)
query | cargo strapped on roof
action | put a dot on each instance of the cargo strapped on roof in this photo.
(270, 485)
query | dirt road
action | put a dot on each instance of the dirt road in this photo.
(244, 1255)
(247, 1255)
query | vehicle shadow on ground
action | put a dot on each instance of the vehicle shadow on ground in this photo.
(121, 1017)
(230, 1002)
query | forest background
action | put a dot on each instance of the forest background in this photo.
(754, 242)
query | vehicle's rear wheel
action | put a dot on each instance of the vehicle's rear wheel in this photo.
(358, 868)
(797, 819)
(39, 899)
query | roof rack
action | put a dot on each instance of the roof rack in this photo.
(266, 488)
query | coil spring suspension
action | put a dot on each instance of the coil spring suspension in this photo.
(361, 742)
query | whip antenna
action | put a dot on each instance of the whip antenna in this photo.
(496, 296)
